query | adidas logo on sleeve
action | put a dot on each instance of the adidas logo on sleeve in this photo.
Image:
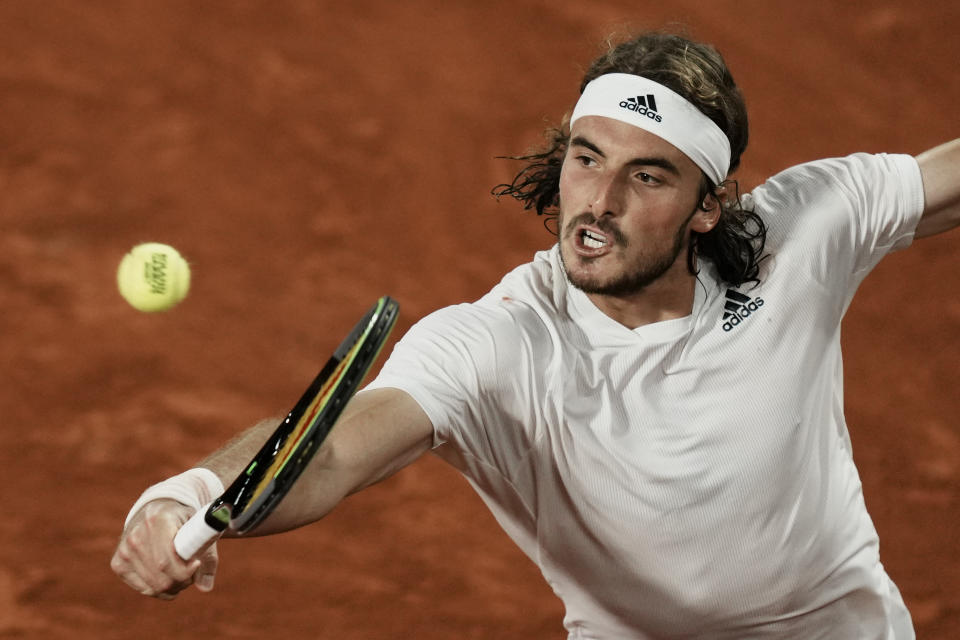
(738, 308)
(644, 105)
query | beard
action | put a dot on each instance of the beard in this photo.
(638, 273)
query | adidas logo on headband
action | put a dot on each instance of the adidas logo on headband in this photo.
(644, 105)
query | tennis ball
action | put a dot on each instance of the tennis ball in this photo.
(153, 277)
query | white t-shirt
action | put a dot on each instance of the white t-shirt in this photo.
(690, 478)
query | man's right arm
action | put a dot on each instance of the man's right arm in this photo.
(380, 432)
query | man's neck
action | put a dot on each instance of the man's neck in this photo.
(669, 298)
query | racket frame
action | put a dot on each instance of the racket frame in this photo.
(270, 474)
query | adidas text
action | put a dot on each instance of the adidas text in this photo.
(738, 308)
(641, 106)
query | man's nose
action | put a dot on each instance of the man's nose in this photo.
(608, 197)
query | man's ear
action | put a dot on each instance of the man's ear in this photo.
(708, 212)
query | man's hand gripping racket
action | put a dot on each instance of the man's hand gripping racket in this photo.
(273, 470)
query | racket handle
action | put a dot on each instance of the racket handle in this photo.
(194, 535)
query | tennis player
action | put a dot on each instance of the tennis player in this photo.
(652, 409)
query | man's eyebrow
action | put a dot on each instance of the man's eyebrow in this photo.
(580, 141)
(651, 161)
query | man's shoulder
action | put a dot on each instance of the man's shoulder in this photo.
(833, 174)
(538, 283)
(524, 302)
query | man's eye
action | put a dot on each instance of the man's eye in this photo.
(586, 161)
(647, 178)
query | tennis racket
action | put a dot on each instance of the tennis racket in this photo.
(271, 473)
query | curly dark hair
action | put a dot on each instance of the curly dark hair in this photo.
(697, 72)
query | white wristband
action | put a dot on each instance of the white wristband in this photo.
(193, 488)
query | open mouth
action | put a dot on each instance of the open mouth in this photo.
(592, 240)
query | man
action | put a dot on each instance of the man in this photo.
(652, 409)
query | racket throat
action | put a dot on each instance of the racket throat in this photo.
(218, 515)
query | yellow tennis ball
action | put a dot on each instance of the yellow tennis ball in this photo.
(153, 277)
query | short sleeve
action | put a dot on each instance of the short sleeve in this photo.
(887, 194)
(462, 365)
(838, 218)
(440, 364)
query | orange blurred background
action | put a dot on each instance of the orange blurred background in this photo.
(308, 156)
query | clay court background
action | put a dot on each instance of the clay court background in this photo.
(309, 156)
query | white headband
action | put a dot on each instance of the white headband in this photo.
(655, 108)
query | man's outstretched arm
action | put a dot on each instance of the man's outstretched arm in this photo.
(380, 432)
